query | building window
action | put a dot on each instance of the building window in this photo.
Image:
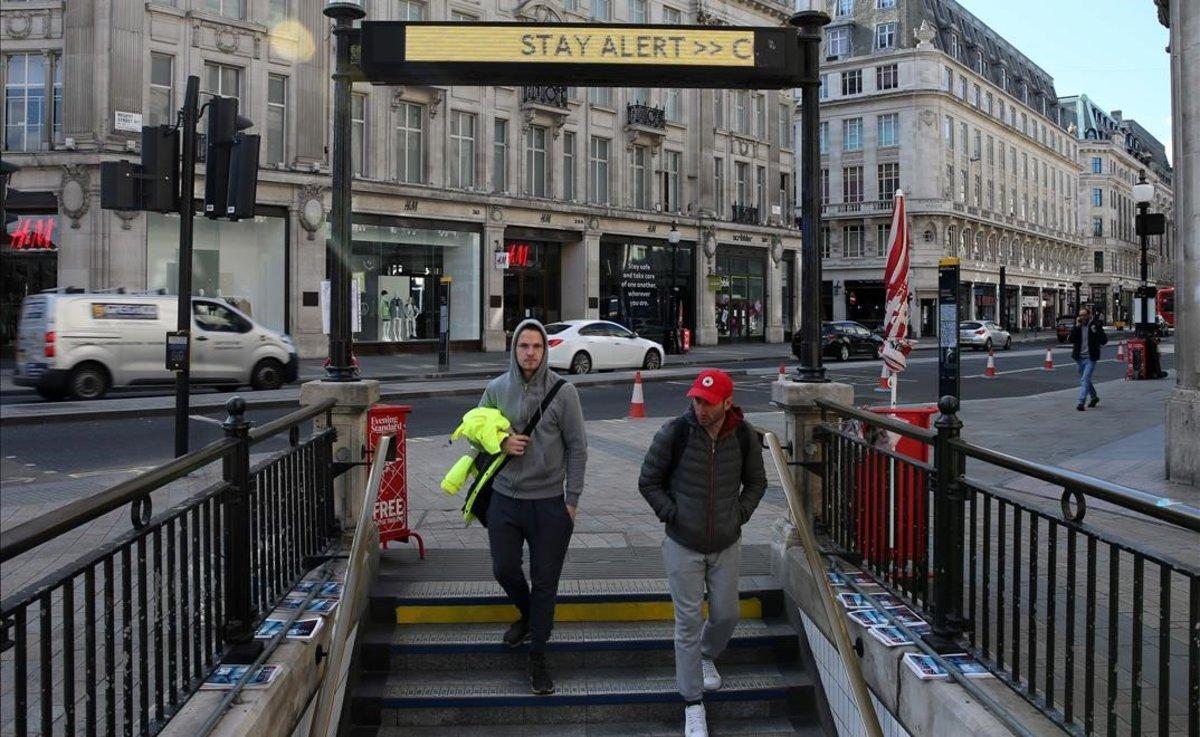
(223, 80)
(852, 134)
(962, 88)
(500, 156)
(889, 180)
(889, 129)
(569, 166)
(741, 111)
(991, 151)
(1097, 195)
(881, 239)
(719, 185)
(602, 10)
(947, 79)
(852, 82)
(462, 150)
(276, 119)
(977, 96)
(571, 5)
(1098, 227)
(535, 161)
(673, 104)
(852, 184)
(718, 108)
(1097, 165)
(358, 133)
(948, 132)
(885, 35)
(953, 46)
(410, 10)
(226, 8)
(460, 17)
(410, 143)
(844, 8)
(25, 102)
(838, 41)
(852, 241)
(886, 4)
(887, 77)
(671, 193)
(672, 16)
(785, 197)
(760, 190)
(826, 251)
(277, 12)
(639, 184)
(602, 96)
(598, 170)
(637, 11)
(1098, 261)
(784, 126)
(824, 187)
(760, 117)
(823, 87)
(162, 90)
(824, 136)
(742, 183)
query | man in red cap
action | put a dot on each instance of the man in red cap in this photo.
(703, 476)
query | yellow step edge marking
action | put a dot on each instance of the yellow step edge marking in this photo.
(626, 611)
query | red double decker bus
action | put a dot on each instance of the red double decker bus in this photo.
(1164, 304)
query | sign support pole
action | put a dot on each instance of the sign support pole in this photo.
(187, 210)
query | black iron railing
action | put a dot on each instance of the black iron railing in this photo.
(645, 116)
(551, 96)
(1094, 628)
(115, 642)
(745, 215)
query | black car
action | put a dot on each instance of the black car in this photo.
(844, 339)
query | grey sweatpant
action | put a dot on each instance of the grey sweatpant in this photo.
(689, 575)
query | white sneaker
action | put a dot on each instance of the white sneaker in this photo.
(694, 723)
(712, 679)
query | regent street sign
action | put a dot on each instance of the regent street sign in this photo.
(578, 54)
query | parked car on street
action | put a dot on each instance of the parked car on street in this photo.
(81, 345)
(583, 346)
(843, 339)
(983, 335)
(1062, 327)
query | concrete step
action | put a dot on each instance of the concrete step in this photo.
(765, 727)
(583, 696)
(584, 600)
(432, 647)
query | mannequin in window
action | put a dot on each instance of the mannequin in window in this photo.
(410, 318)
(397, 306)
(386, 325)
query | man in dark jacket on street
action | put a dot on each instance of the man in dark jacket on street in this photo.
(1087, 335)
(529, 503)
(703, 476)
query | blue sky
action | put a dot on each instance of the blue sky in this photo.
(1111, 50)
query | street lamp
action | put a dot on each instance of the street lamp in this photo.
(676, 316)
(1143, 194)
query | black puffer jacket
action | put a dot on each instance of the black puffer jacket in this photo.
(714, 490)
(1096, 338)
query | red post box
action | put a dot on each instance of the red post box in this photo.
(391, 507)
(892, 499)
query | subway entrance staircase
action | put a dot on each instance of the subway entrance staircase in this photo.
(429, 660)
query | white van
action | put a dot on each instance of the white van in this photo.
(81, 345)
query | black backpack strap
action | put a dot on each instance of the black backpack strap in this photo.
(680, 432)
(533, 421)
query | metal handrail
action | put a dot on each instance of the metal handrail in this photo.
(837, 623)
(29, 535)
(899, 427)
(366, 535)
(288, 421)
(1155, 507)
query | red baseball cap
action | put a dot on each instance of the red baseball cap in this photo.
(712, 385)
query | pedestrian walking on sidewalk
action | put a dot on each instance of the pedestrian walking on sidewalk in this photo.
(703, 476)
(1087, 336)
(529, 504)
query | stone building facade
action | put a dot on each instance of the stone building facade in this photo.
(924, 97)
(575, 189)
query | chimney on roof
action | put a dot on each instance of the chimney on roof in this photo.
(1116, 114)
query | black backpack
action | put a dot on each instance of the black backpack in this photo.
(679, 437)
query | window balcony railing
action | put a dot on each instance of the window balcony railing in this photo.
(745, 215)
(554, 96)
(644, 116)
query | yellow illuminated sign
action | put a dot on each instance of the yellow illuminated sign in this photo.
(582, 45)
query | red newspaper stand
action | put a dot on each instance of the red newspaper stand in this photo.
(892, 499)
(391, 508)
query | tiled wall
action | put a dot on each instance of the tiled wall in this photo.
(837, 689)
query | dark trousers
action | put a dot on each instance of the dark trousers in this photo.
(546, 526)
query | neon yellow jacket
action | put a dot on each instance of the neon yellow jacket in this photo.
(485, 428)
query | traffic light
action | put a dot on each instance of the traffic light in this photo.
(120, 185)
(223, 126)
(243, 177)
(160, 168)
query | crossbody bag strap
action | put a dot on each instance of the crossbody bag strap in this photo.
(533, 421)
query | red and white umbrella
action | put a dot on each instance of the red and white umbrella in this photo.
(896, 346)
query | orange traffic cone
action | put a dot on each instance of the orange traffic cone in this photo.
(637, 405)
(1048, 364)
(884, 385)
(1121, 351)
(782, 373)
(990, 372)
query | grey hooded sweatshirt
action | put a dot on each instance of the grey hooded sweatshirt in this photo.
(558, 449)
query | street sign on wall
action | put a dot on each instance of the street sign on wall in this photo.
(589, 55)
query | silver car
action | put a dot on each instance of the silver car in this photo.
(983, 335)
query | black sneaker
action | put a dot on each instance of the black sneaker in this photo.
(517, 633)
(1094, 402)
(539, 677)
(1079, 407)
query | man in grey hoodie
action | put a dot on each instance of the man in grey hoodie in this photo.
(529, 504)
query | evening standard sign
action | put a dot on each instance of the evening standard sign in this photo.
(578, 54)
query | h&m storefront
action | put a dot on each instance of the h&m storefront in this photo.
(533, 276)
(28, 255)
(649, 286)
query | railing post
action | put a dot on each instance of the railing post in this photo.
(238, 627)
(948, 529)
